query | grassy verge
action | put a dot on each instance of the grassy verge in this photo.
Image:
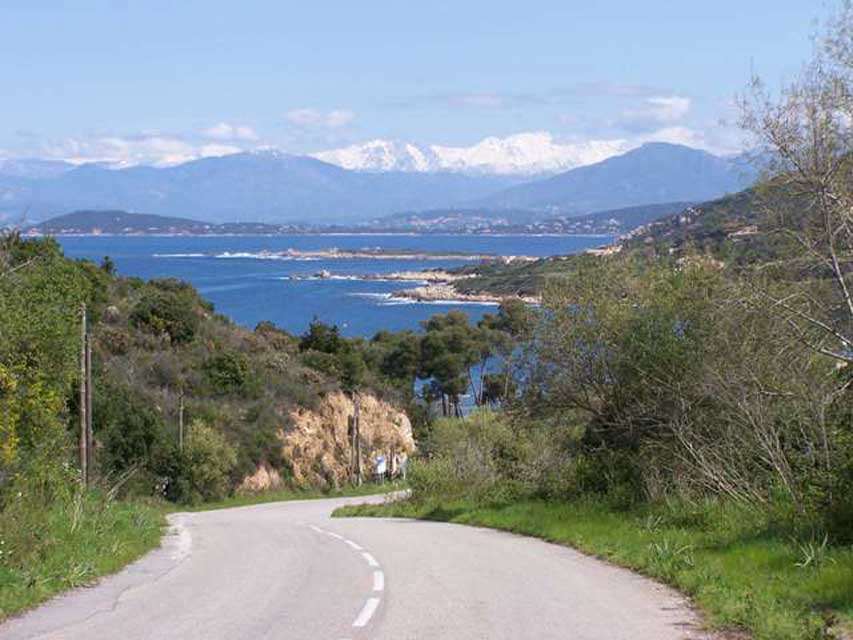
(739, 570)
(46, 550)
(283, 495)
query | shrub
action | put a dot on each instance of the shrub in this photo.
(227, 371)
(322, 362)
(115, 340)
(126, 426)
(170, 311)
(481, 458)
(209, 459)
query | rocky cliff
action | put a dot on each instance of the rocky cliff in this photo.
(319, 448)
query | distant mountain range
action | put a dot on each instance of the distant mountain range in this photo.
(277, 188)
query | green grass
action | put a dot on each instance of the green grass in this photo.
(740, 570)
(47, 550)
(284, 495)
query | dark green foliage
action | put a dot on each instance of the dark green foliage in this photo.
(353, 369)
(449, 348)
(400, 355)
(129, 430)
(326, 363)
(167, 307)
(108, 266)
(227, 372)
(321, 337)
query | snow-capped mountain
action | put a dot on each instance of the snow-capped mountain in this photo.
(521, 154)
(383, 155)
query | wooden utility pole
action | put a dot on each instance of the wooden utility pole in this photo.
(181, 422)
(356, 418)
(90, 440)
(84, 441)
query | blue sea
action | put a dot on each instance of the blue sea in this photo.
(247, 284)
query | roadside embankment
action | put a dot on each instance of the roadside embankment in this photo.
(49, 548)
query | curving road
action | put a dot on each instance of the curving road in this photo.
(289, 571)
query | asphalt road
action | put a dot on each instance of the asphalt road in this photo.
(289, 571)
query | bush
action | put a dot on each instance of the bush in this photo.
(480, 457)
(227, 372)
(322, 362)
(128, 429)
(169, 310)
(202, 471)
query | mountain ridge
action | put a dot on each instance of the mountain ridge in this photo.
(653, 173)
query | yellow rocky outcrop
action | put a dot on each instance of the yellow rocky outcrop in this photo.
(318, 446)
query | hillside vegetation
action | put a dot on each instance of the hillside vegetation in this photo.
(159, 351)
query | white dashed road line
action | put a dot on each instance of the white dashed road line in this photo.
(372, 604)
(367, 612)
(378, 581)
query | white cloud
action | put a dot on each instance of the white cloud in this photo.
(119, 151)
(314, 118)
(657, 111)
(719, 139)
(230, 132)
(677, 135)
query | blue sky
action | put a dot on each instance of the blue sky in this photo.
(153, 80)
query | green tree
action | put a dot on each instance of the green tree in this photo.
(321, 337)
(504, 334)
(40, 301)
(449, 348)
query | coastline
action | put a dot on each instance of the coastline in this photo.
(434, 286)
(440, 286)
(442, 292)
(335, 253)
